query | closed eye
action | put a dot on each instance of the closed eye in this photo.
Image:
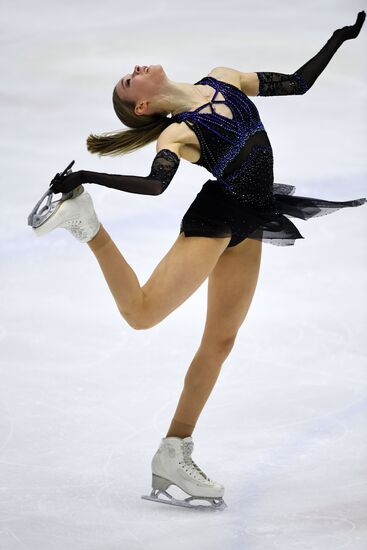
(122, 82)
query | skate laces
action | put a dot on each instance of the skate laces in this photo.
(189, 465)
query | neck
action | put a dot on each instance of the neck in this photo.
(181, 96)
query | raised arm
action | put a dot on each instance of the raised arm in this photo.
(270, 83)
(164, 167)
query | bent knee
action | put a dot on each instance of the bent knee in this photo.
(137, 322)
(220, 345)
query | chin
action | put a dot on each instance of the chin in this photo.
(157, 71)
(156, 68)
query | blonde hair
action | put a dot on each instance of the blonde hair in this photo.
(144, 130)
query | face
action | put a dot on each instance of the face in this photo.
(141, 85)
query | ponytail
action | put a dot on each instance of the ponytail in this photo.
(143, 130)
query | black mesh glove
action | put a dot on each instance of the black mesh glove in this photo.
(303, 78)
(164, 167)
(351, 31)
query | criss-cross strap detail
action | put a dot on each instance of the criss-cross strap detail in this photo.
(220, 137)
(210, 103)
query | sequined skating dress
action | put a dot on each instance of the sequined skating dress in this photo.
(243, 201)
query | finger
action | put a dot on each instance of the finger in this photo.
(360, 18)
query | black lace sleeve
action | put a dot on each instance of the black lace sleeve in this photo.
(303, 78)
(164, 167)
(281, 84)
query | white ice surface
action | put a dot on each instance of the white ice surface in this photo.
(85, 399)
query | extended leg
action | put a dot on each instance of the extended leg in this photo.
(184, 268)
(231, 287)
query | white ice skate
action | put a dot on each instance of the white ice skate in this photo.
(172, 465)
(73, 211)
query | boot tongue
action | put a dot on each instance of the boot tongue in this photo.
(187, 451)
(188, 442)
(187, 448)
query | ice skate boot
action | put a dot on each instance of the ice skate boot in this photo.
(172, 465)
(75, 214)
(73, 211)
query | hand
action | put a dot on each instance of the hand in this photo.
(67, 183)
(351, 31)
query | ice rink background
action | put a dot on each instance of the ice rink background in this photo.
(85, 399)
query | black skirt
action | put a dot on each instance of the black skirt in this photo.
(214, 213)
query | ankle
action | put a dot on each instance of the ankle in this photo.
(100, 239)
(180, 429)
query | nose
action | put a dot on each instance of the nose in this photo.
(139, 69)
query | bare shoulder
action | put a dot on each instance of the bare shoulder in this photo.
(171, 138)
(226, 74)
(179, 138)
(248, 83)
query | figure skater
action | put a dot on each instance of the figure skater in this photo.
(221, 233)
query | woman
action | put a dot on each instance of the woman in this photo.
(221, 233)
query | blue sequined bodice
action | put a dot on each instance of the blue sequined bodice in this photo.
(235, 150)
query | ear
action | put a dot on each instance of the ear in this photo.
(141, 108)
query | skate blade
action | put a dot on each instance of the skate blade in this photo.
(215, 503)
(40, 214)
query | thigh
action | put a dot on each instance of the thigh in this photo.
(231, 286)
(182, 270)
